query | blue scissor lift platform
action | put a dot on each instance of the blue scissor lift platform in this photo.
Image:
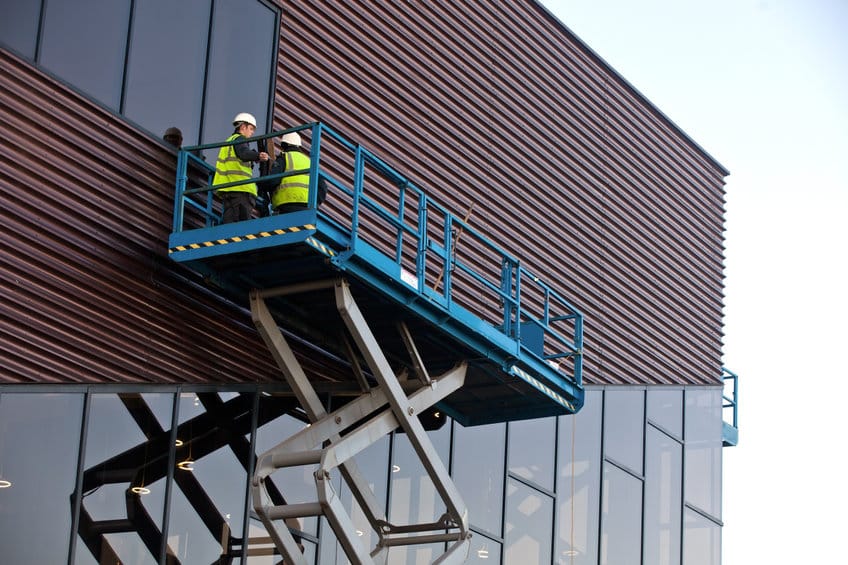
(428, 312)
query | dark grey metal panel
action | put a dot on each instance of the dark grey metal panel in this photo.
(567, 166)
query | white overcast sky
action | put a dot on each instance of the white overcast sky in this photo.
(762, 85)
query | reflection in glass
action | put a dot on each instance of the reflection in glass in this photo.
(124, 475)
(665, 409)
(39, 444)
(208, 501)
(291, 485)
(164, 77)
(373, 463)
(624, 423)
(621, 533)
(701, 540)
(478, 472)
(579, 483)
(19, 26)
(414, 499)
(228, 65)
(663, 498)
(87, 51)
(531, 450)
(483, 551)
(529, 525)
(703, 450)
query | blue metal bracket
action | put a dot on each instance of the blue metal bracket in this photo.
(730, 431)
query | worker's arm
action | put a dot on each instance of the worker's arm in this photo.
(245, 153)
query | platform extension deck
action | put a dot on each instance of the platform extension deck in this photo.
(414, 269)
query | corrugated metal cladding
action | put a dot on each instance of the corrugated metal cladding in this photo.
(490, 104)
(88, 293)
(498, 105)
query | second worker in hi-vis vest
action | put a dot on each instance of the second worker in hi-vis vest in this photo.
(292, 193)
(235, 163)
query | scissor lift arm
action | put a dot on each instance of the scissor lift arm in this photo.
(333, 439)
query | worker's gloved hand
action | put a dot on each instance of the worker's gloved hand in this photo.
(262, 207)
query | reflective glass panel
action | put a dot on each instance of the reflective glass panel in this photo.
(529, 525)
(663, 498)
(414, 499)
(263, 552)
(665, 409)
(210, 478)
(243, 49)
(702, 480)
(39, 445)
(373, 463)
(19, 25)
(87, 51)
(701, 540)
(124, 477)
(579, 483)
(478, 472)
(483, 551)
(291, 485)
(165, 65)
(531, 450)
(624, 422)
(621, 521)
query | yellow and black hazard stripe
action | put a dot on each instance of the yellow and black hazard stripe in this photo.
(543, 388)
(238, 238)
(320, 247)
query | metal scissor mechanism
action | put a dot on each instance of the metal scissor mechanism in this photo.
(333, 439)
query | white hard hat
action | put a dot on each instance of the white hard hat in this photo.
(244, 117)
(291, 138)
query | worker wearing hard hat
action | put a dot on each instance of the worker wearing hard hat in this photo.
(292, 194)
(235, 163)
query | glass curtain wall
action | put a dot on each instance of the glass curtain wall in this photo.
(193, 64)
(161, 475)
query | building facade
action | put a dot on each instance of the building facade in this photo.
(634, 477)
(110, 353)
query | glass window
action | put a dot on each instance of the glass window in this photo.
(478, 472)
(701, 540)
(165, 65)
(373, 463)
(243, 53)
(531, 450)
(39, 444)
(483, 551)
(414, 499)
(19, 26)
(192, 64)
(529, 525)
(621, 532)
(291, 485)
(663, 498)
(665, 409)
(124, 476)
(702, 480)
(624, 417)
(84, 42)
(210, 478)
(579, 483)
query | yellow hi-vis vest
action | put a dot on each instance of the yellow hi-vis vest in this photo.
(230, 168)
(293, 189)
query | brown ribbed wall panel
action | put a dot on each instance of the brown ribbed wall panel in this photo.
(490, 104)
(599, 192)
(88, 294)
